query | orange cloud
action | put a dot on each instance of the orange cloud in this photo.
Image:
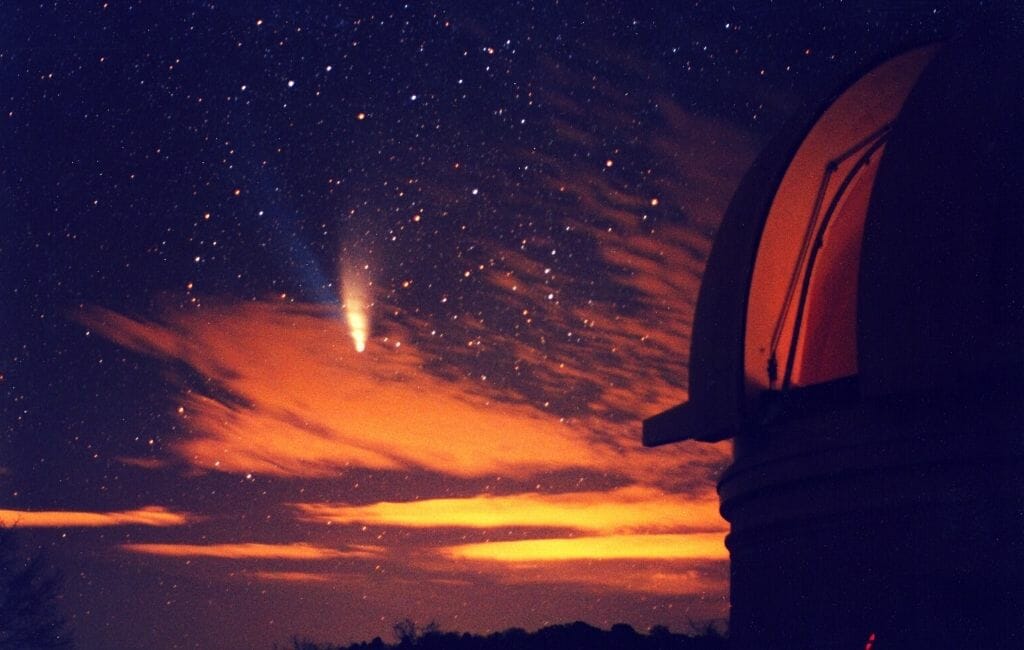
(634, 508)
(247, 551)
(148, 516)
(677, 546)
(306, 404)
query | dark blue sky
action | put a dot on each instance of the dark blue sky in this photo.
(525, 193)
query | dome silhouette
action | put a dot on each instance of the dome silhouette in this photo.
(859, 335)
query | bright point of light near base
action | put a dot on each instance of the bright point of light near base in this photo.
(358, 326)
(355, 289)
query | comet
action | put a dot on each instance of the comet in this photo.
(355, 289)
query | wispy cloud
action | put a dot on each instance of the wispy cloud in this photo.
(673, 546)
(148, 516)
(251, 550)
(294, 576)
(143, 463)
(634, 508)
(665, 578)
(545, 362)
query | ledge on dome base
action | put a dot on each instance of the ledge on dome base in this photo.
(689, 421)
(686, 421)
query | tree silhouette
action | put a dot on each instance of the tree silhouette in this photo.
(571, 636)
(408, 633)
(29, 590)
(405, 631)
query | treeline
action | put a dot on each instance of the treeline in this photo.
(572, 636)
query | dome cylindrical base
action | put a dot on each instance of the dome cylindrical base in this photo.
(903, 521)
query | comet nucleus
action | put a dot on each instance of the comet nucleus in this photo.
(355, 290)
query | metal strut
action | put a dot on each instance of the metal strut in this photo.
(869, 145)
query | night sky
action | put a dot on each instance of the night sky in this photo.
(208, 208)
